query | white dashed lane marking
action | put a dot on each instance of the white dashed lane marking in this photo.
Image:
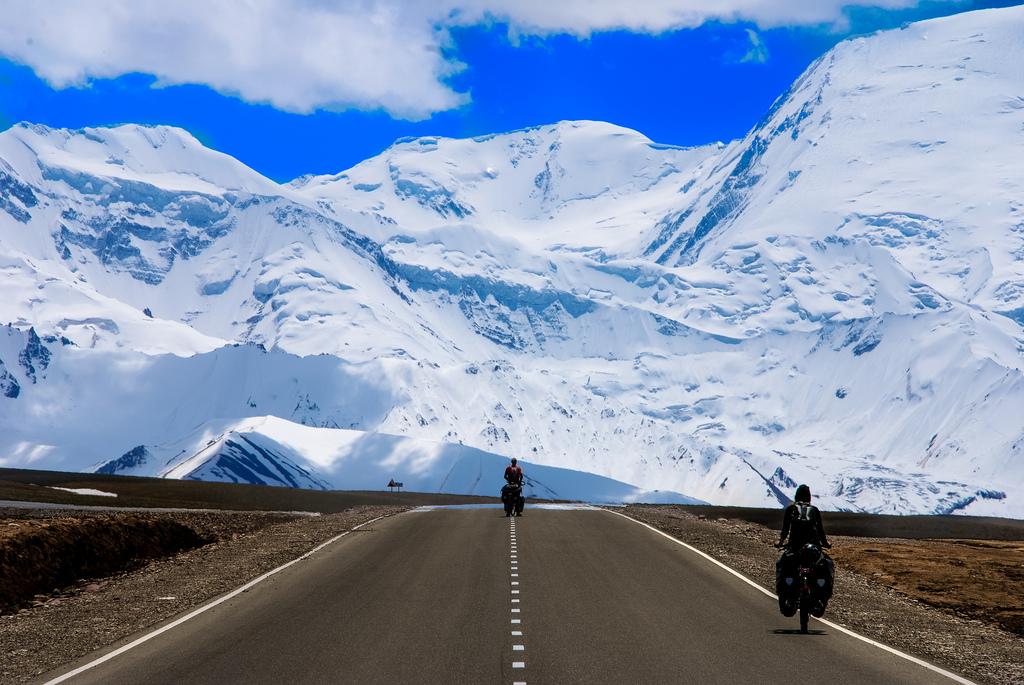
(519, 648)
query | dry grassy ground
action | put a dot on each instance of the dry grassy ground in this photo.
(37, 486)
(39, 556)
(978, 579)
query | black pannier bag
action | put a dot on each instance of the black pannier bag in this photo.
(787, 577)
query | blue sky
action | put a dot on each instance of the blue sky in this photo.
(684, 87)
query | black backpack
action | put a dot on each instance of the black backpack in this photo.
(805, 527)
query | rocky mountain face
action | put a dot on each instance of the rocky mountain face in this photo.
(835, 299)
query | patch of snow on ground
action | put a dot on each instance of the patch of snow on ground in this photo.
(85, 491)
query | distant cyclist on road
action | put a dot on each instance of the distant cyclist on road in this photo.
(512, 491)
(514, 473)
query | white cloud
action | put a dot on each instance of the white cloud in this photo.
(582, 17)
(297, 55)
(758, 52)
(301, 55)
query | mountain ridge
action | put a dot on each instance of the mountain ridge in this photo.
(721, 321)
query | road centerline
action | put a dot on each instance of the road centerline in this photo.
(517, 648)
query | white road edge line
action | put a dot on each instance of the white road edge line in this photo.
(892, 650)
(206, 607)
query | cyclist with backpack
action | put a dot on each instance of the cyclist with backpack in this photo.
(801, 526)
(512, 491)
(801, 523)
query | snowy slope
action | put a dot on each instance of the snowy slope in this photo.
(908, 140)
(583, 186)
(273, 451)
(834, 299)
(92, 406)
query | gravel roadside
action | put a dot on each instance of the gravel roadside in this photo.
(69, 624)
(981, 652)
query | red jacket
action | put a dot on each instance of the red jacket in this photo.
(514, 474)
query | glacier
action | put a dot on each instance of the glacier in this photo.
(833, 299)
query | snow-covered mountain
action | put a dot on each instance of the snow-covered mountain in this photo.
(835, 299)
(270, 450)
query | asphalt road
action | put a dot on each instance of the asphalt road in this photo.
(469, 596)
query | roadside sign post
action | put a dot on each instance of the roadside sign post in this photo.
(393, 484)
